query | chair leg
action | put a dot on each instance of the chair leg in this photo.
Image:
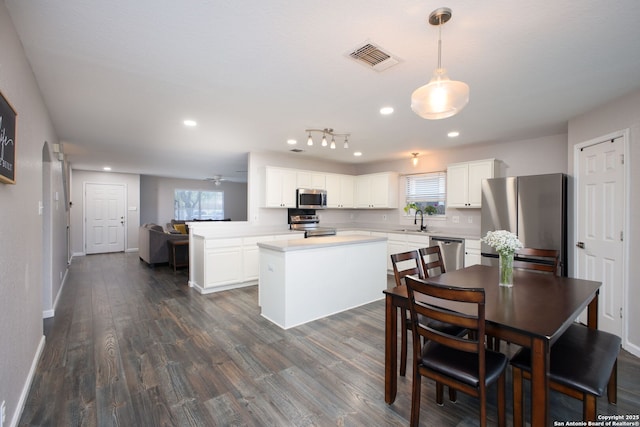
(439, 393)
(502, 411)
(403, 343)
(589, 407)
(518, 397)
(415, 398)
(453, 395)
(483, 407)
(612, 387)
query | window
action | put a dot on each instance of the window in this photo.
(427, 189)
(194, 204)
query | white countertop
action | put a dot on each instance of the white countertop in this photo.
(319, 242)
(225, 230)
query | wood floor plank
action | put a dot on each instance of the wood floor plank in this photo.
(135, 346)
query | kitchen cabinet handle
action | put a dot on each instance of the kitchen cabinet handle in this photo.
(580, 245)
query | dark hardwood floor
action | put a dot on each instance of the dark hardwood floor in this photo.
(134, 346)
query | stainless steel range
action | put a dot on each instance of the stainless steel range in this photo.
(308, 221)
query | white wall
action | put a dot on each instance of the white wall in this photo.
(21, 228)
(54, 230)
(157, 197)
(132, 207)
(524, 157)
(273, 216)
(619, 114)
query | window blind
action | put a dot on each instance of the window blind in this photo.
(428, 187)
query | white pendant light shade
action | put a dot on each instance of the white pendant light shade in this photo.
(440, 98)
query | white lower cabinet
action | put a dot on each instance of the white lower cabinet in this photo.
(415, 242)
(396, 243)
(226, 263)
(472, 252)
(251, 257)
(223, 262)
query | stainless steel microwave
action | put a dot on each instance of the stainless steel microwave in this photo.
(307, 198)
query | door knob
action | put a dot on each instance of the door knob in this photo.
(580, 245)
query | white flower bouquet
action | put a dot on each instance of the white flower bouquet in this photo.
(506, 243)
(503, 241)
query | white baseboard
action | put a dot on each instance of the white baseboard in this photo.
(205, 291)
(27, 385)
(46, 314)
(631, 347)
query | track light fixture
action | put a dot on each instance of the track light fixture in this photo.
(330, 132)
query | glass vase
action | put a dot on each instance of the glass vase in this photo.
(506, 269)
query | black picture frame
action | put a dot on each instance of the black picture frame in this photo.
(7, 142)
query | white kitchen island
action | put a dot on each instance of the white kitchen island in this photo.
(307, 279)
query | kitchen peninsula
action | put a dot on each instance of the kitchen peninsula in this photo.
(307, 279)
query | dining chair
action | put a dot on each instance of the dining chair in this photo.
(405, 264)
(533, 259)
(460, 362)
(583, 362)
(544, 260)
(431, 258)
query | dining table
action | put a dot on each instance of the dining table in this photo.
(532, 313)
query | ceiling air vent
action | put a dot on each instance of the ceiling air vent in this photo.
(373, 57)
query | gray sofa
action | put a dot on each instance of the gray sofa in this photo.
(152, 243)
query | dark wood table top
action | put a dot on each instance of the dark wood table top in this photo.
(538, 305)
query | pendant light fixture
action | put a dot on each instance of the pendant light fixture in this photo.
(414, 159)
(441, 97)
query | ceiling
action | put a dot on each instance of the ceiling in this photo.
(119, 78)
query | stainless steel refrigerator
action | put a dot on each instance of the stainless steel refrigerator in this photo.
(533, 207)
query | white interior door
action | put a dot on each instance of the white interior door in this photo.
(104, 218)
(600, 208)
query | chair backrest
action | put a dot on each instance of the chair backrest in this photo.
(424, 300)
(406, 264)
(545, 260)
(431, 259)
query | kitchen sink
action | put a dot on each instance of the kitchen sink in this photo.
(407, 230)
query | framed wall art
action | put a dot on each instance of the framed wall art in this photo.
(7, 142)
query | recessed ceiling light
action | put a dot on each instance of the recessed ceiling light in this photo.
(453, 134)
(357, 154)
(190, 123)
(106, 168)
(385, 111)
(292, 141)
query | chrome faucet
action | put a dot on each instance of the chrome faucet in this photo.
(415, 220)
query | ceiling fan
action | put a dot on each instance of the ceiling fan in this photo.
(216, 179)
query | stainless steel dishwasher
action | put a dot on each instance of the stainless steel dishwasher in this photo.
(452, 251)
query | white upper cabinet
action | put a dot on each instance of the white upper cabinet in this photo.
(464, 182)
(377, 190)
(313, 180)
(340, 191)
(280, 188)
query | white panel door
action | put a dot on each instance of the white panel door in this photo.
(104, 218)
(600, 214)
